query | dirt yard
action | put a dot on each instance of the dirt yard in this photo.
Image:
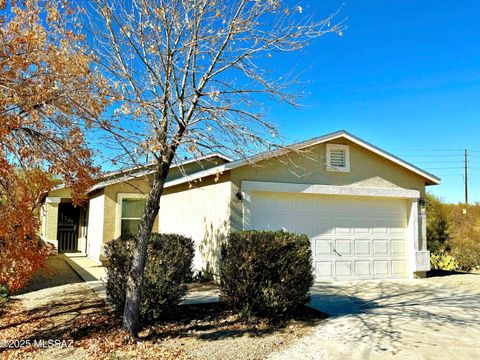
(463, 281)
(76, 316)
(79, 325)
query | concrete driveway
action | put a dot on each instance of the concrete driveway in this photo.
(404, 319)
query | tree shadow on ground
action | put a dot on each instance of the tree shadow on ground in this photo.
(395, 316)
(214, 321)
(438, 272)
(75, 312)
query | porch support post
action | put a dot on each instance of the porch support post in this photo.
(51, 219)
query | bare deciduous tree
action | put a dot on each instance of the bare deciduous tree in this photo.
(190, 77)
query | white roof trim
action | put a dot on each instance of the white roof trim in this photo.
(301, 145)
(435, 180)
(186, 162)
(130, 174)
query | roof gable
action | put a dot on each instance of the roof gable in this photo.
(430, 179)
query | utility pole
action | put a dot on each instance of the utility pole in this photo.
(466, 177)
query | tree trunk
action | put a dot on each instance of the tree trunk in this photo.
(131, 320)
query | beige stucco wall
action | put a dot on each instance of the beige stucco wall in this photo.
(64, 193)
(366, 169)
(140, 186)
(51, 221)
(49, 214)
(201, 212)
(96, 220)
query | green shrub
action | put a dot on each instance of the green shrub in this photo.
(443, 261)
(167, 274)
(437, 224)
(3, 294)
(266, 274)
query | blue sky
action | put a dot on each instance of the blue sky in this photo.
(405, 76)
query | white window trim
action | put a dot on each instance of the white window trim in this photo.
(346, 148)
(118, 211)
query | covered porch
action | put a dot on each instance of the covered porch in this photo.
(63, 224)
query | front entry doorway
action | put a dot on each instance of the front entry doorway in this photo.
(67, 230)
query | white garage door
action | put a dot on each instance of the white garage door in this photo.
(351, 237)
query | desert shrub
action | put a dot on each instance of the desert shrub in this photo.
(443, 261)
(466, 246)
(266, 274)
(437, 224)
(167, 273)
(464, 232)
(3, 294)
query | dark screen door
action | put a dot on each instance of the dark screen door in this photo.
(67, 233)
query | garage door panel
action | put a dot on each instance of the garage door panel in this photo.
(344, 269)
(362, 269)
(324, 269)
(362, 247)
(343, 246)
(380, 268)
(350, 237)
(399, 267)
(398, 247)
(380, 247)
(323, 247)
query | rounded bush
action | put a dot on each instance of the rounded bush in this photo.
(167, 273)
(266, 274)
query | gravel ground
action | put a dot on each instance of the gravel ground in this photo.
(58, 305)
(463, 281)
(210, 332)
(48, 314)
(202, 331)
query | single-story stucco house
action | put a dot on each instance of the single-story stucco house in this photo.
(363, 208)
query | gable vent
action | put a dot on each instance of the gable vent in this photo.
(338, 158)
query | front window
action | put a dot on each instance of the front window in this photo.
(132, 210)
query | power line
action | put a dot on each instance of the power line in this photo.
(439, 161)
(444, 168)
(428, 155)
(429, 150)
(437, 150)
(466, 176)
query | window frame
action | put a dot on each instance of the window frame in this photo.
(118, 215)
(342, 147)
